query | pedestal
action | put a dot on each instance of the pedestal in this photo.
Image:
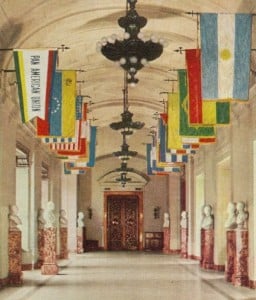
(240, 276)
(15, 257)
(80, 240)
(49, 266)
(207, 246)
(166, 248)
(40, 246)
(231, 252)
(184, 242)
(63, 243)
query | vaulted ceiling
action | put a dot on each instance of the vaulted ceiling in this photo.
(80, 24)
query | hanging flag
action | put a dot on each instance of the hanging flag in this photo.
(202, 112)
(63, 104)
(216, 113)
(92, 147)
(34, 71)
(71, 143)
(62, 107)
(226, 49)
(166, 156)
(174, 140)
(152, 168)
(193, 61)
(185, 129)
(79, 148)
(71, 168)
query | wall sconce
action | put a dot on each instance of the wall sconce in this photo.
(89, 210)
(157, 212)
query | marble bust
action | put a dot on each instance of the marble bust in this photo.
(166, 220)
(230, 222)
(62, 219)
(80, 219)
(49, 215)
(241, 216)
(184, 219)
(14, 219)
(207, 220)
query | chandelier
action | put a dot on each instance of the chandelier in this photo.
(123, 179)
(134, 50)
(125, 153)
(126, 125)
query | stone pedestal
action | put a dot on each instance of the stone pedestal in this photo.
(207, 246)
(63, 243)
(184, 242)
(240, 276)
(15, 257)
(80, 239)
(49, 266)
(166, 247)
(40, 246)
(231, 252)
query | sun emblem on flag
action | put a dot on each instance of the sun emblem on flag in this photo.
(225, 54)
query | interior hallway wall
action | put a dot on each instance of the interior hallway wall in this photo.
(69, 204)
(91, 194)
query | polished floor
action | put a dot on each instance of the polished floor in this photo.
(126, 276)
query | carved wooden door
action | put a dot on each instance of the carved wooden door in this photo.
(122, 222)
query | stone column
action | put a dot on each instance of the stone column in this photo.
(14, 248)
(49, 266)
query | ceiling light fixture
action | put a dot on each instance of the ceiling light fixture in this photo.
(123, 179)
(126, 125)
(134, 50)
(125, 153)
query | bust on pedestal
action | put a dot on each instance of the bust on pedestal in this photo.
(240, 276)
(230, 225)
(207, 238)
(80, 233)
(49, 266)
(184, 234)
(166, 229)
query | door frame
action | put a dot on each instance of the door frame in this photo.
(139, 195)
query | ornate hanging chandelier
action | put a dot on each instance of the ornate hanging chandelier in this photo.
(134, 50)
(125, 153)
(126, 125)
(123, 179)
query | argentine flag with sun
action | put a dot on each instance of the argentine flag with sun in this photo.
(225, 50)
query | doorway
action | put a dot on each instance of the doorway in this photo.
(123, 222)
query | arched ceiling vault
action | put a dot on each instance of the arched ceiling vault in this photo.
(80, 24)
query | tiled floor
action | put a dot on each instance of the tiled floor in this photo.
(126, 276)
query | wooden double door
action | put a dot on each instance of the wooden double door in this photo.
(122, 222)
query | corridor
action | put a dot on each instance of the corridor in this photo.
(126, 276)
